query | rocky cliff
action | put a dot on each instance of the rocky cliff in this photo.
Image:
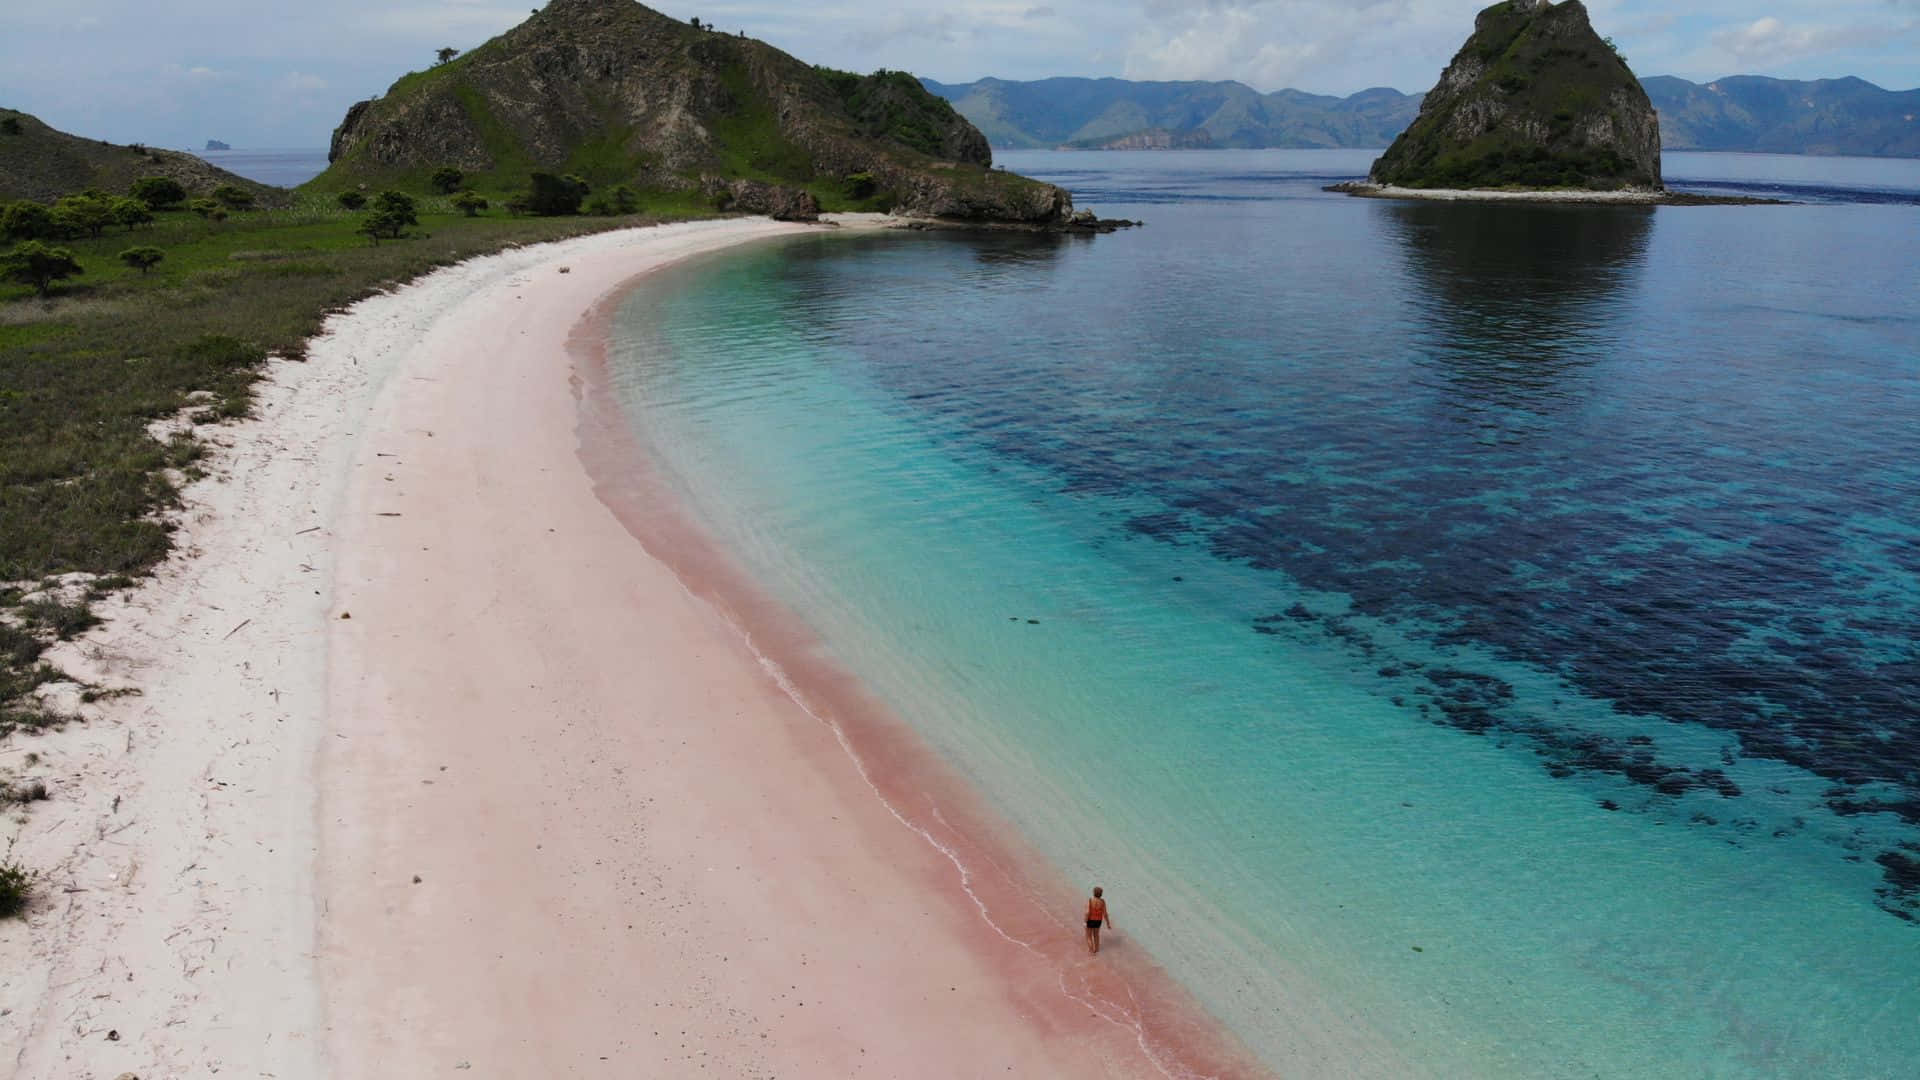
(1534, 99)
(620, 94)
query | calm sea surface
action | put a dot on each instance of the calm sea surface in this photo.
(280, 168)
(1501, 621)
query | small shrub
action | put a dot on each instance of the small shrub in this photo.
(142, 259)
(352, 200)
(16, 886)
(158, 192)
(130, 212)
(554, 196)
(233, 197)
(470, 203)
(205, 207)
(625, 200)
(34, 263)
(10, 126)
(86, 213)
(26, 220)
(446, 179)
(392, 212)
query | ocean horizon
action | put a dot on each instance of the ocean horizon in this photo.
(1496, 623)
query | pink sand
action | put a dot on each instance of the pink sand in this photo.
(592, 806)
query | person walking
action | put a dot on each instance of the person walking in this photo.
(1096, 917)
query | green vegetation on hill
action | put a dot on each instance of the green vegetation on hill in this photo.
(38, 162)
(135, 339)
(1534, 99)
(616, 93)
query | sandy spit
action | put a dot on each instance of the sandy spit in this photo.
(435, 769)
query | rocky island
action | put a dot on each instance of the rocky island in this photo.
(616, 93)
(1535, 104)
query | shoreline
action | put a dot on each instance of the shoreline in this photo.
(334, 833)
(1361, 189)
(572, 815)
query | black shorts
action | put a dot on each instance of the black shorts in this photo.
(1093, 924)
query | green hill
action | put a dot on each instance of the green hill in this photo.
(43, 164)
(1780, 116)
(1102, 112)
(616, 93)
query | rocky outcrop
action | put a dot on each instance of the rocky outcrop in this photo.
(754, 197)
(620, 94)
(1534, 99)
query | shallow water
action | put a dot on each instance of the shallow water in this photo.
(1502, 619)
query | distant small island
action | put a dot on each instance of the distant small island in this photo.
(1535, 99)
(1535, 106)
(216, 144)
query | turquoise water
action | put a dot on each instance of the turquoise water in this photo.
(1499, 620)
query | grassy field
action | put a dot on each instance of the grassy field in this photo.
(86, 371)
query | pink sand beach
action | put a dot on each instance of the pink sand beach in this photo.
(459, 747)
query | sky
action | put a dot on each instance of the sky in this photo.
(279, 74)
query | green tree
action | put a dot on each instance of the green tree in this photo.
(204, 207)
(26, 220)
(34, 263)
(233, 197)
(158, 192)
(446, 54)
(390, 215)
(142, 259)
(130, 212)
(78, 214)
(625, 200)
(352, 200)
(470, 203)
(552, 196)
(446, 179)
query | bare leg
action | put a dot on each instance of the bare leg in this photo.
(1093, 936)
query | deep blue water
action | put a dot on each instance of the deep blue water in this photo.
(1503, 617)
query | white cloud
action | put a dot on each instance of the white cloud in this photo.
(1768, 39)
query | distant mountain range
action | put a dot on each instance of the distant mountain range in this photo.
(1742, 112)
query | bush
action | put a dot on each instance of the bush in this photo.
(16, 885)
(392, 212)
(86, 213)
(352, 200)
(11, 126)
(233, 197)
(206, 207)
(26, 220)
(552, 196)
(470, 203)
(130, 212)
(142, 259)
(34, 263)
(625, 200)
(158, 192)
(446, 179)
